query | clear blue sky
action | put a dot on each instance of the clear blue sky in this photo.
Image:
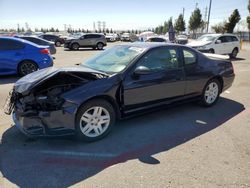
(126, 14)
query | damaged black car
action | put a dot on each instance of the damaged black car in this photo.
(122, 81)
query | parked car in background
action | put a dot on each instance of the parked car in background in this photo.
(157, 39)
(125, 37)
(54, 38)
(90, 40)
(181, 39)
(122, 81)
(42, 42)
(110, 37)
(217, 43)
(18, 56)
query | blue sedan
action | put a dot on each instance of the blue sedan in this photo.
(18, 56)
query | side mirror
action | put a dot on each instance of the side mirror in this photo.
(81, 38)
(142, 70)
(218, 42)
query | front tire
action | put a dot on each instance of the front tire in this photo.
(75, 46)
(211, 51)
(27, 67)
(211, 93)
(94, 120)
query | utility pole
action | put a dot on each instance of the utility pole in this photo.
(183, 11)
(205, 20)
(210, 4)
(196, 5)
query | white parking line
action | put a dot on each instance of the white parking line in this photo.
(67, 153)
(77, 154)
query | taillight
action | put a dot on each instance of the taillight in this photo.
(44, 51)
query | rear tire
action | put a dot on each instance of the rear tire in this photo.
(99, 46)
(27, 67)
(234, 53)
(211, 93)
(94, 120)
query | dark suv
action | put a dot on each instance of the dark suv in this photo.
(54, 38)
(93, 40)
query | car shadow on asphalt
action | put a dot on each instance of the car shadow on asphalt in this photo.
(63, 162)
(238, 59)
(8, 79)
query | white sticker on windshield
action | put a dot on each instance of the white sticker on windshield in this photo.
(136, 49)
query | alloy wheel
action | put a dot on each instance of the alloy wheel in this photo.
(27, 68)
(94, 121)
(211, 92)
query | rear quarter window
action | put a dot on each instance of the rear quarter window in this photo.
(6, 44)
(190, 58)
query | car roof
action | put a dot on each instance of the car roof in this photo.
(20, 40)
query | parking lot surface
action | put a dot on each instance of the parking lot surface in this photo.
(184, 146)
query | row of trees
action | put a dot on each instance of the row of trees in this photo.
(45, 30)
(196, 23)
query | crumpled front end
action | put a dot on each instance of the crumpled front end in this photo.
(42, 110)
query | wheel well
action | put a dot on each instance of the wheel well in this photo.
(219, 78)
(236, 49)
(99, 42)
(24, 61)
(74, 43)
(212, 50)
(109, 100)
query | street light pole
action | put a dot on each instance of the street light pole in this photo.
(209, 15)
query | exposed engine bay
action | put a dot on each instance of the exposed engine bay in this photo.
(46, 96)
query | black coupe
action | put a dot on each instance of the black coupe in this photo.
(122, 81)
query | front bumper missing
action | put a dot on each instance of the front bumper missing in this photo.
(53, 123)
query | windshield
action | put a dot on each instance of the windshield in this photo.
(207, 38)
(113, 60)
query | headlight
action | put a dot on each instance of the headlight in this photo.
(202, 47)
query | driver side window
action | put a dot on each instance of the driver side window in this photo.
(161, 59)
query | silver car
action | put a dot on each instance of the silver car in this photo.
(89, 40)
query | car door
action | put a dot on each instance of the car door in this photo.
(195, 75)
(165, 79)
(220, 45)
(11, 52)
(229, 45)
(85, 40)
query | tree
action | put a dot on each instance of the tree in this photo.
(219, 28)
(180, 24)
(57, 30)
(111, 30)
(248, 18)
(195, 21)
(164, 28)
(232, 21)
(107, 30)
(52, 29)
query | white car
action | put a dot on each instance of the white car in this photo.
(157, 39)
(225, 44)
(111, 37)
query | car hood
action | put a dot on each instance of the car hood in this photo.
(28, 82)
(198, 43)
